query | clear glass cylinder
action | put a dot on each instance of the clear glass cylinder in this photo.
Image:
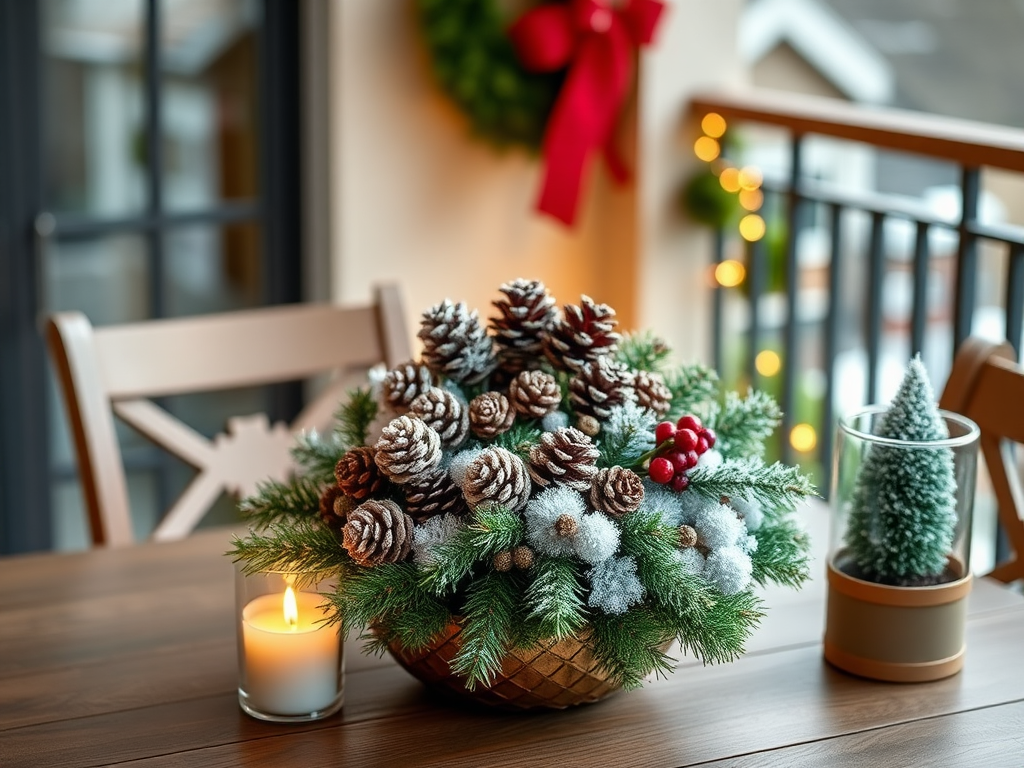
(901, 509)
(291, 662)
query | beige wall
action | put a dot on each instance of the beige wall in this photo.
(415, 199)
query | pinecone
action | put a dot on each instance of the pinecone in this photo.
(455, 345)
(357, 474)
(407, 449)
(503, 561)
(534, 394)
(444, 413)
(600, 386)
(490, 414)
(616, 491)
(404, 384)
(334, 508)
(652, 393)
(497, 477)
(583, 334)
(377, 531)
(526, 314)
(434, 494)
(565, 456)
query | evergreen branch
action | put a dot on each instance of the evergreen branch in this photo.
(626, 436)
(642, 351)
(354, 417)
(782, 555)
(692, 387)
(301, 546)
(520, 438)
(493, 529)
(277, 502)
(555, 597)
(723, 630)
(317, 454)
(488, 627)
(743, 424)
(774, 486)
(629, 646)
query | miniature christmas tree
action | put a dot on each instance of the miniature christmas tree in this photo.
(903, 508)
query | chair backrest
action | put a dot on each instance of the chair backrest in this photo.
(116, 369)
(986, 385)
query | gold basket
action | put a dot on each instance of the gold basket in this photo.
(552, 675)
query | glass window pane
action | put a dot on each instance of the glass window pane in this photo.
(209, 61)
(212, 268)
(107, 278)
(93, 106)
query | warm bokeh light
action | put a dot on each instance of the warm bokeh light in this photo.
(713, 125)
(750, 199)
(730, 273)
(752, 227)
(803, 438)
(729, 178)
(706, 148)
(767, 362)
(750, 178)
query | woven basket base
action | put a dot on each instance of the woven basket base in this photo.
(551, 675)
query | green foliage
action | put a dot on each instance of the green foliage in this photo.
(629, 646)
(520, 438)
(317, 454)
(493, 529)
(707, 203)
(776, 486)
(643, 351)
(782, 554)
(743, 424)
(278, 502)
(723, 628)
(626, 436)
(355, 416)
(693, 386)
(491, 612)
(301, 546)
(555, 597)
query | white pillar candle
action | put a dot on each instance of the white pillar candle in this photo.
(291, 667)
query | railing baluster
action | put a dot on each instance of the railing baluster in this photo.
(876, 274)
(831, 343)
(790, 331)
(1015, 297)
(757, 279)
(717, 297)
(966, 257)
(920, 312)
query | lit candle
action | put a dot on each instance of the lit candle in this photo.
(290, 658)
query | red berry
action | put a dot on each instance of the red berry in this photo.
(691, 459)
(661, 470)
(709, 435)
(702, 444)
(686, 439)
(680, 483)
(664, 431)
(690, 422)
(678, 459)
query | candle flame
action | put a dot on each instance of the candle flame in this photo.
(291, 609)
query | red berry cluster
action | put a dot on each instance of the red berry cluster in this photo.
(680, 445)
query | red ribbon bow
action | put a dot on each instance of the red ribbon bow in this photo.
(596, 41)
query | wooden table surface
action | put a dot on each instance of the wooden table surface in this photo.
(127, 657)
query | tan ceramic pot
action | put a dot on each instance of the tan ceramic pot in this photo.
(896, 634)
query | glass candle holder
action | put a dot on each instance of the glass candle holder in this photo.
(291, 662)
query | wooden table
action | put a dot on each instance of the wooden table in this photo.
(128, 657)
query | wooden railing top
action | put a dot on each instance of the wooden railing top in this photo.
(967, 142)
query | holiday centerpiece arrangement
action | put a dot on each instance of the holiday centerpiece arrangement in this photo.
(899, 577)
(536, 509)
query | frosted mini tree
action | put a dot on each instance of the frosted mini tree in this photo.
(903, 508)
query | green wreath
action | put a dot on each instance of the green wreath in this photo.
(474, 62)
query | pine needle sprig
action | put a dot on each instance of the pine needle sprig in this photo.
(629, 646)
(277, 502)
(724, 629)
(743, 424)
(775, 487)
(692, 387)
(643, 351)
(492, 530)
(782, 555)
(555, 598)
(491, 612)
(520, 438)
(626, 436)
(318, 454)
(301, 546)
(355, 416)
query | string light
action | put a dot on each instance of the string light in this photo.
(750, 199)
(750, 178)
(706, 148)
(730, 273)
(729, 178)
(767, 362)
(713, 125)
(752, 227)
(803, 438)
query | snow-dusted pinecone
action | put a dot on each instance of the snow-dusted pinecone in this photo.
(444, 413)
(490, 414)
(525, 315)
(600, 386)
(455, 344)
(497, 477)
(565, 456)
(334, 508)
(583, 334)
(407, 449)
(377, 531)
(616, 491)
(357, 474)
(534, 394)
(652, 393)
(434, 494)
(404, 384)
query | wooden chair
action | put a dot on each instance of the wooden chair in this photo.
(986, 385)
(115, 369)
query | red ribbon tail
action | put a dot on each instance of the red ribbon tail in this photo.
(619, 170)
